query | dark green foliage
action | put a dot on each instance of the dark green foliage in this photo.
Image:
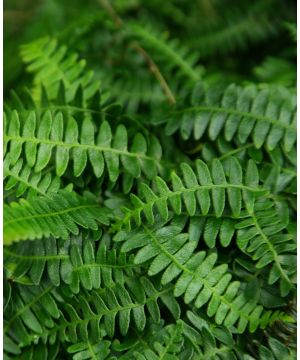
(149, 180)
(266, 116)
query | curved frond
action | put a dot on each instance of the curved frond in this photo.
(75, 261)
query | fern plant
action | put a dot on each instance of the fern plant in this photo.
(149, 182)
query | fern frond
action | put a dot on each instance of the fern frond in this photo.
(208, 189)
(25, 314)
(214, 340)
(57, 214)
(84, 317)
(275, 70)
(75, 261)
(264, 236)
(51, 64)
(211, 228)
(103, 150)
(198, 279)
(276, 168)
(266, 116)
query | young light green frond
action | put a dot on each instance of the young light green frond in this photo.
(57, 214)
(265, 236)
(51, 64)
(266, 116)
(88, 143)
(197, 191)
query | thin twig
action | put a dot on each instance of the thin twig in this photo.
(155, 71)
(111, 11)
(152, 66)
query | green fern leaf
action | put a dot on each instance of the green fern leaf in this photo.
(267, 116)
(208, 189)
(58, 215)
(199, 280)
(88, 351)
(21, 179)
(89, 314)
(103, 151)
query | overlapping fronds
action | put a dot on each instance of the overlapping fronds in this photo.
(41, 314)
(154, 217)
(198, 278)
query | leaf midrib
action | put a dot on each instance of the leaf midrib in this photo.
(50, 214)
(236, 112)
(185, 269)
(270, 246)
(78, 145)
(187, 190)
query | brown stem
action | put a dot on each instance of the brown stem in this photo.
(152, 66)
(155, 71)
(111, 11)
